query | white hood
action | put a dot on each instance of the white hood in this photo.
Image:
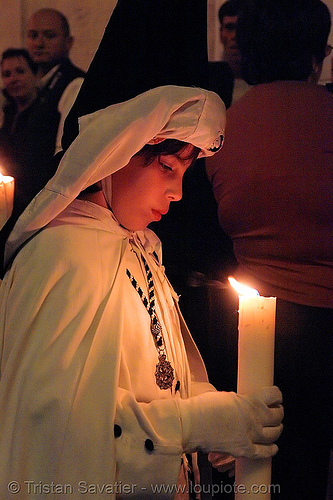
(108, 139)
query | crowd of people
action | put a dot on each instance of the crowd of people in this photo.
(40, 85)
(101, 381)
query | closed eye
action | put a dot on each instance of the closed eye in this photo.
(165, 167)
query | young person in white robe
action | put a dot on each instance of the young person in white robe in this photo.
(102, 389)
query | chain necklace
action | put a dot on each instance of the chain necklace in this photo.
(164, 372)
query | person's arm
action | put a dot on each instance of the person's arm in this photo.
(61, 408)
(160, 431)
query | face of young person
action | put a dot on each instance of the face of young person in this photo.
(18, 78)
(142, 193)
(46, 39)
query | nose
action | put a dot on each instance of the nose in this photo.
(175, 190)
(39, 40)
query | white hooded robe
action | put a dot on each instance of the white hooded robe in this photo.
(80, 413)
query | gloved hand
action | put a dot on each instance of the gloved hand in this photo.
(242, 425)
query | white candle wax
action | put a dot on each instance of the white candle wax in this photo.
(255, 370)
(6, 198)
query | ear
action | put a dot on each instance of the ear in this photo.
(69, 42)
(316, 71)
(221, 36)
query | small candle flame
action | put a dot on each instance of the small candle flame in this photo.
(242, 289)
(5, 178)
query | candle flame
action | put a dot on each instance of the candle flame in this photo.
(242, 289)
(5, 178)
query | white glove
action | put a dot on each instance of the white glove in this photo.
(242, 425)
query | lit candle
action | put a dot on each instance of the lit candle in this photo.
(6, 198)
(256, 334)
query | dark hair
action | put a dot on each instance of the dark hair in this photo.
(230, 8)
(152, 151)
(11, 53)
(167, 147)
(278, 39)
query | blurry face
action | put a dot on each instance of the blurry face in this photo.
(142, 193)
(46, 40)
(18, 78)
(228, 39)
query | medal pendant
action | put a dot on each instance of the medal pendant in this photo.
(156, 329)
(164, 373)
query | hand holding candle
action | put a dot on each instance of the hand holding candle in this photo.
(6, 198)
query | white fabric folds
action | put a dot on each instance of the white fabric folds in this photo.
(109, 138)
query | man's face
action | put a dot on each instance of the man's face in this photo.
(46, 40)
(228, 39)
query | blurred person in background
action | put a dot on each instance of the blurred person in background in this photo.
(226, 76)
(58, 82)
(273, 184)
(49, 42)
(28, 132)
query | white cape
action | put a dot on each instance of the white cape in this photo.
(77, 357)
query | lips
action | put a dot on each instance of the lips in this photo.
(158, 213)
(14, 89)
(39, 53)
